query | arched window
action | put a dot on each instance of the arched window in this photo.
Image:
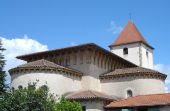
(129, 93)
(125, 50)
(20, 87)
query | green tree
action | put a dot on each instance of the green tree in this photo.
(28, 99)
(35, 99)
(65, 105)
(2, 72)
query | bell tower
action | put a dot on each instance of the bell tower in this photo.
(132, 46)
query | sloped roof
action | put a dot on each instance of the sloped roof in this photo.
(23, 57)
(134, 70)
(81, 46)
(40, 63)
(43, 64)
(142, 100)
(131, 70)
(130, 34)
(89, 94)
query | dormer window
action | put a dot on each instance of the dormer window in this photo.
(125, 51)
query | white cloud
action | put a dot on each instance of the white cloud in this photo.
(73, 44)
(164, 69)
(19, 46)
(114, 28)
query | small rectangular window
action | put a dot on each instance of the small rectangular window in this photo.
(125, 51)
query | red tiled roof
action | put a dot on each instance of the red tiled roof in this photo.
(134, 71)
(89, 94)
(130, 71)
(43, 64)
(142, 100)
(130, 34)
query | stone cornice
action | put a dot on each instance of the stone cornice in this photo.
(134, 75)
(19, 70)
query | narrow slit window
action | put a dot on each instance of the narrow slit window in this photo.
(125, 51)
(147, 53)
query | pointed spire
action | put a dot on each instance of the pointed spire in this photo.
(130, 34)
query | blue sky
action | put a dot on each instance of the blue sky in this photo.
(58, 23)
(61, 23)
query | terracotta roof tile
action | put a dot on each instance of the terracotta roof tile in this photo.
(41, 64)
(142, 100)
(89, 94)
(130, 71)
(134, 71)
(130, 34)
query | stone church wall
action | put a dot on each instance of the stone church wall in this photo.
(93, 105)
(58, 83)
(147, 56)
(133, 52)
(138, 53)
(138, 86)
(91, 62)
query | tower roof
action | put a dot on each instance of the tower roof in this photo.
(130, 34)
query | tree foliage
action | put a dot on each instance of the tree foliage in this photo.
(28, 99)
(2, 72)
(65, 105)
(35, 99)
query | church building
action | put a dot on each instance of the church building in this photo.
(119, 79)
